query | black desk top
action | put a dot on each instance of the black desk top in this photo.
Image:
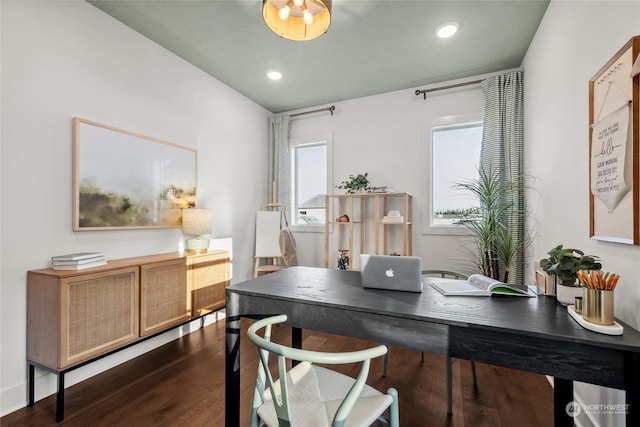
(540, 317)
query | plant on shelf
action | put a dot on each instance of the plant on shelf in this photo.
(355, 183)
(494, 224)
(564, 263)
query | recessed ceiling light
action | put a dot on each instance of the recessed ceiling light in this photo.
(447, 30)
(274, 74)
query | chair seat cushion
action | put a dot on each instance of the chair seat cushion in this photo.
(315, 393)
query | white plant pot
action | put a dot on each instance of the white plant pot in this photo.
(566, 295)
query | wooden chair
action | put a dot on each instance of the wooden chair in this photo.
(450, 360)
(313, 396)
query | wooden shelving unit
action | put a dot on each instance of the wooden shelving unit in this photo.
(367, 231)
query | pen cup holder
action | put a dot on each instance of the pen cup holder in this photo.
(597, 306)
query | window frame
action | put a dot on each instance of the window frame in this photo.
(294, 143)
(451, 121)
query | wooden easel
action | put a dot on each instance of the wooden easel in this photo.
(266, 229)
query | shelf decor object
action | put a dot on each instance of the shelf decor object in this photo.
(124, 180)
(298, 20)
(196, 222)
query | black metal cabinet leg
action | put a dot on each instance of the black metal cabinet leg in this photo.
(32, 385)
(562, 400)
(60, 398)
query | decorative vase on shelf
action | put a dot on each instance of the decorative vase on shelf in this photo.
(566, 295)
(343, 259)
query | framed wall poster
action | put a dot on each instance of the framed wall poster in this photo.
(124, 180)
(614, 148)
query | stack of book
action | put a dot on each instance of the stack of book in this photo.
(78, 261)
(392, 216)
(384, 189)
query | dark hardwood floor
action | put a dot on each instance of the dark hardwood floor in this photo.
(182, 384)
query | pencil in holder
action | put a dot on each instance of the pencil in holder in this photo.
(597, 306)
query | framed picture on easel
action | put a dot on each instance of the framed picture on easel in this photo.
(614, 148)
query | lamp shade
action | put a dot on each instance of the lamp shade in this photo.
(196, 221)
(298, 20)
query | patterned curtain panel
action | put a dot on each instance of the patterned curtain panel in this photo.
(279, 160)
(502, 153)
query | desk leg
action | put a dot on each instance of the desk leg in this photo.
(60, 398)
(296, 341)
(232, 363)
(31, 387)
(562, 395)
(632, 387)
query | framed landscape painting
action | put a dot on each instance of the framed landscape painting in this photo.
(123, 180)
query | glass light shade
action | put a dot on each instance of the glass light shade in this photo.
(447, 30)
(294, 26)
(196, 222)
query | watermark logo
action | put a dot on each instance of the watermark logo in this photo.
(573, 409)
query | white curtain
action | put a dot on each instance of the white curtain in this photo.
(279, 161)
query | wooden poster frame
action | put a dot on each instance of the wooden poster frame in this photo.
(597, 219)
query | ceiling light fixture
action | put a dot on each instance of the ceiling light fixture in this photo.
(447, 30)
(298, 20)
(274, 74)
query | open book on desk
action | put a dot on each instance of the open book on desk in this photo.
(478, 285)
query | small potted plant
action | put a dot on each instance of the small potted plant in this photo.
(355, 183)
(564, 263)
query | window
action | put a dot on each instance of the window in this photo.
(310, 179)
(453, 156)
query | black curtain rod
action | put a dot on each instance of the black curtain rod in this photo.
(330, 109)
(425, 91)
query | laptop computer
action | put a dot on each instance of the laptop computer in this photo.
(397, 273)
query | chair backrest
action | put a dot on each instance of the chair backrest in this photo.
(266, 347)
(445, 274)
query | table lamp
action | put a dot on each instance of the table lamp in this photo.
(196, 222)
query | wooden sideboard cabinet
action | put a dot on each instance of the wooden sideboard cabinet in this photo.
(163, 295)
(208, 276)
(73, 317)
(76, 317)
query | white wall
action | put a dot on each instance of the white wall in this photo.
(574, 40)
(67, 59)
(384, 135)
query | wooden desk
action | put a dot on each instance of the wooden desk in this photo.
(530, 334)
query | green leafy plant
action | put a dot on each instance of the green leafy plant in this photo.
(355, 183)
(495, 223)
(565, 263)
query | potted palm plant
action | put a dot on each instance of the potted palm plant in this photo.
(564, 264)
(498, 240)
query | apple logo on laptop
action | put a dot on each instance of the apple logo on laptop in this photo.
(389, 272)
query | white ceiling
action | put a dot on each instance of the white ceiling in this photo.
(372, 46)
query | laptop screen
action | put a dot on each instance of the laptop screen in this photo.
(398, 273)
